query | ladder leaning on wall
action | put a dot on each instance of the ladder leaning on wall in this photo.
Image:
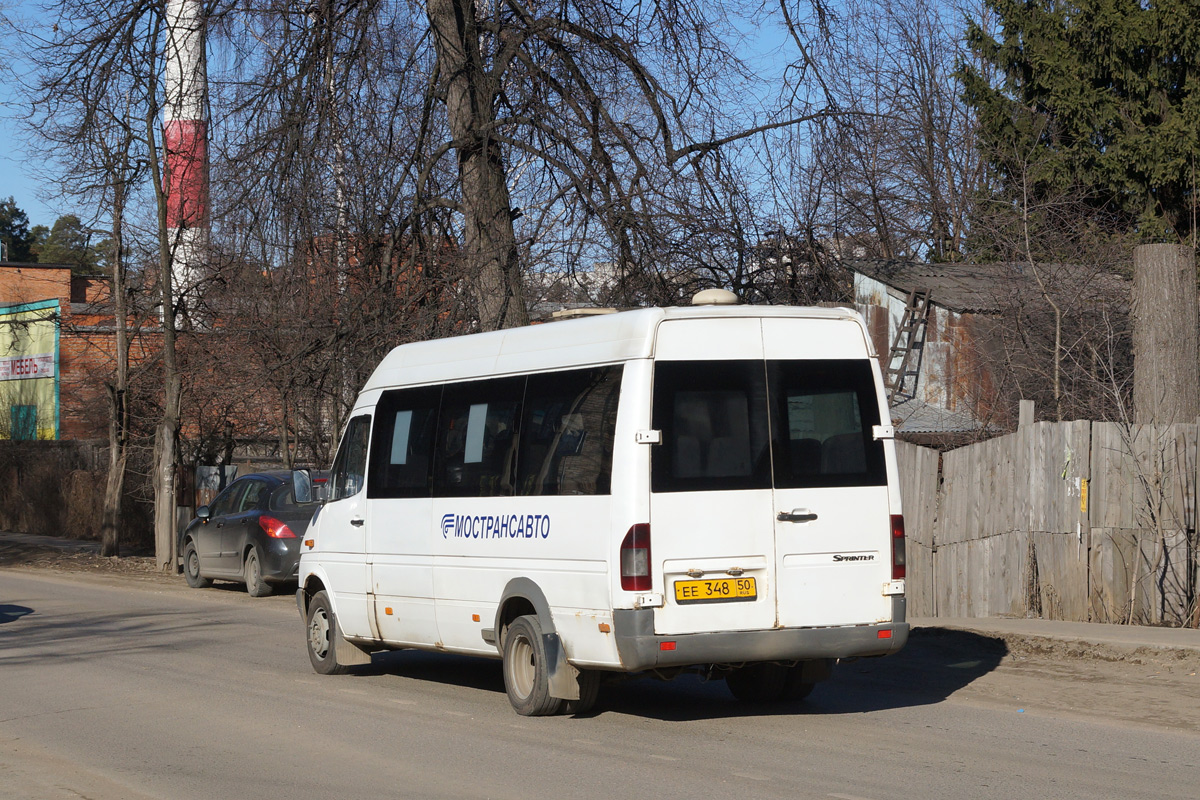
(908, 346)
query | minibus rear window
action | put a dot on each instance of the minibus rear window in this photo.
(726, 424)
(713, 418)
(822, 413)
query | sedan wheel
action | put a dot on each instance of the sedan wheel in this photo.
(191, 567)
(255, 585)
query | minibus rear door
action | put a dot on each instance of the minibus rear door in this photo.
(711, 530)
(831, 506)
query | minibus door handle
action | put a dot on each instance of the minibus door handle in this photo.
(357, 522)
(796, 515)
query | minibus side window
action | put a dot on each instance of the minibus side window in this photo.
(475, 451)
(350, 464)
(713, 418)
(567, 432)
(822, 413)
(402, 450)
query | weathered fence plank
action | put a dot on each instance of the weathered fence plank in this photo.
(919, 496)
(1076, 520)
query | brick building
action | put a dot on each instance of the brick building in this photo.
(57, 352)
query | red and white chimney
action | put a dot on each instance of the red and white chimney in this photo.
(185, 145)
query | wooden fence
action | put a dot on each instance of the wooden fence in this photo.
(1073, 520)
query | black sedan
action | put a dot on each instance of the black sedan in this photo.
(250, 533)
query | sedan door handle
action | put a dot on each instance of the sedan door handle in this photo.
(357, 522)
(796, 515)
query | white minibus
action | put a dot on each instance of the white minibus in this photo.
(705, 488)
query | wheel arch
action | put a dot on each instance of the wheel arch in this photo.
(312, 584)
(522, 596)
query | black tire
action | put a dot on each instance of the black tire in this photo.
(803, 678)
(191, 567)
(758, 683)
(797, 689)
(321, 627)
(526, 673)
(589, 690)
(252, 571)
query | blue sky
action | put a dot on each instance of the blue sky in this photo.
(17, 167)
(22, 170)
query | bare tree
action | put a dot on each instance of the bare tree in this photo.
(94, 77)
(899, 169)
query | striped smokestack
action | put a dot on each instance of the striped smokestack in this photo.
(185, 140)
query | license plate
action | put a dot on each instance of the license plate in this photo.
(718, 590)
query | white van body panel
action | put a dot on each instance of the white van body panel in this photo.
(401, 562)
(433, 571)
(344, 562)
(559, 544)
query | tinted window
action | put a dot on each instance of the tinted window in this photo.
(713, 418)
(402, 451)
(475, 450)
(283, 499)
(823, 413)
(256, 492)
(227, 500)
(350, 463)
(567, 427)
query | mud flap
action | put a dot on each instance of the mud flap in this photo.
(563, 677)
(347, 653)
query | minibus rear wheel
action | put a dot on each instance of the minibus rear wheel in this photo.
(526, 673)
(763, 682)
(589, 691)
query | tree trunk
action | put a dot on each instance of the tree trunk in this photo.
(114, 490)
(490, 241)
(1166, 375)
(118, 424)
(166, 434)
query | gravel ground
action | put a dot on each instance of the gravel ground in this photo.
(18, 555)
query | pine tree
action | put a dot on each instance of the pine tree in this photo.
(14, 231)
(1095, 97)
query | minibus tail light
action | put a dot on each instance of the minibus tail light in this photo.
(635, 559)
(898, 549)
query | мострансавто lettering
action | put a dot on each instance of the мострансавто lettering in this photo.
(496, 526)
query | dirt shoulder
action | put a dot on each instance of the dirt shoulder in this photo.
(23, 555)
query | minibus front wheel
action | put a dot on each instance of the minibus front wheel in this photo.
(322, 636)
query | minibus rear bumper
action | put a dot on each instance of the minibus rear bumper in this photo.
(640, 648)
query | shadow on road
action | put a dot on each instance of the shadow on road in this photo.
(13, 613)
(935, 664)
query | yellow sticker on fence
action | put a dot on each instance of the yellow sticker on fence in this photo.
(1083, 496)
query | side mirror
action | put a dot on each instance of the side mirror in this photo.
(308, 489)
(302, 487)
(203, 513)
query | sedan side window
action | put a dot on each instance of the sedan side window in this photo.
(350, 464)
(255, 492)
(227, 500)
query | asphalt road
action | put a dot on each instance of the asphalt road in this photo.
(118, 689)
